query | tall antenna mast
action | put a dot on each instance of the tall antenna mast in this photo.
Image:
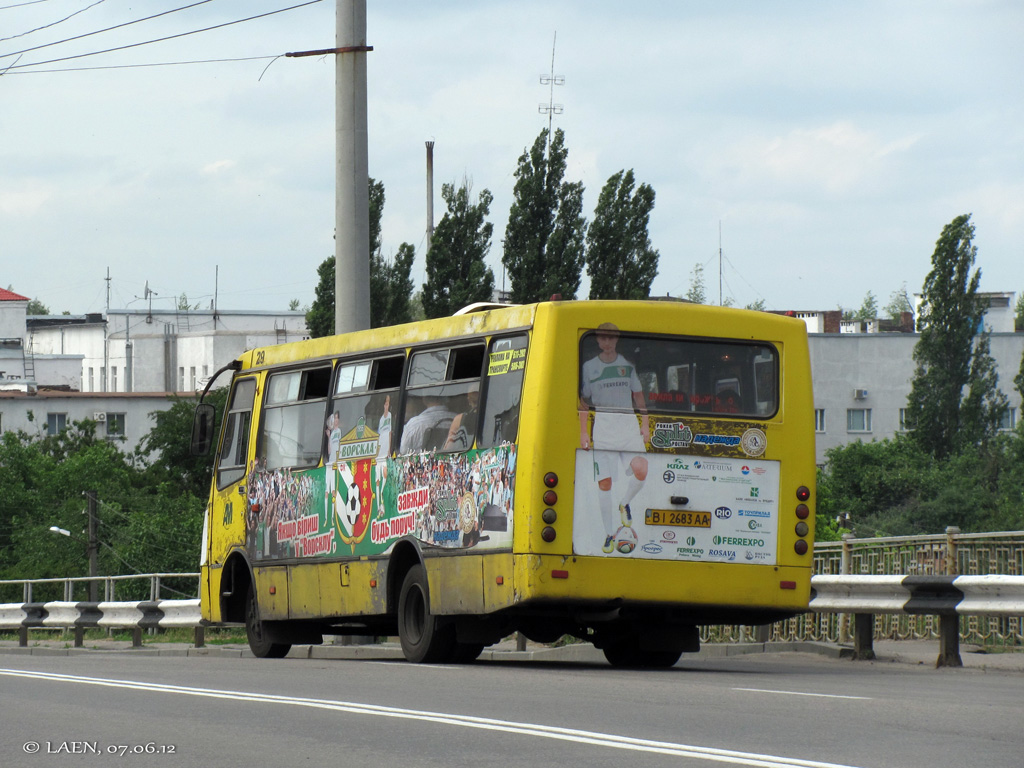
(719, 262)
(551, 81)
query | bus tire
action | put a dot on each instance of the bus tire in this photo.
(255, 631)
(425, 638)
(627, 653)
(466, 653)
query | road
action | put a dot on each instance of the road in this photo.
(785, 709)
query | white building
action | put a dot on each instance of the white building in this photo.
(862, 380)
(158, 351)
(118, 370)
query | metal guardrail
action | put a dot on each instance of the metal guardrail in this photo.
(136, 616)
(945, 597)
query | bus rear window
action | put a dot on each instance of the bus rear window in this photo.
(678, 374)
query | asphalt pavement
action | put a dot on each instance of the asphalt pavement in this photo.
(916, 652)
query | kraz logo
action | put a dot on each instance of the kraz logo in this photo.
(723, 513)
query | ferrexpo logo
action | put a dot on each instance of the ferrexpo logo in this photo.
(738, 541)
(723, 513)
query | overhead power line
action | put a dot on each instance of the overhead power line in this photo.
(52, 23)
(162, 39)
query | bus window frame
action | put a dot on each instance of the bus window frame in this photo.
(653, 407)
(307, 366)
(409, 391)
(396, 392)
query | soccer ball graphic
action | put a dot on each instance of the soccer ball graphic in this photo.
(625, 540)
(347, 505)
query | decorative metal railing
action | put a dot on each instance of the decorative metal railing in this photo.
(951, 553)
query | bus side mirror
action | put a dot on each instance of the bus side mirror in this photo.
(202, 429)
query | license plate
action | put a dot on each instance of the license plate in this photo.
(683, 518)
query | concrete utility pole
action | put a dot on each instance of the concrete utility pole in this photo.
(92, 545)
(430, 194)
(352, 206)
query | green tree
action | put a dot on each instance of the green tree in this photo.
(621, 262)
(36, 307)
(391, 287)
(456, 272)
(760, 305)
(544, 238)
(165, 451)
(320, 317)
(948, 364)
(697, 293)
(899, 302)
(1018, 318)
(868, 309)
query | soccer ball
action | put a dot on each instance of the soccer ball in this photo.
(625, 540)
(347, 504)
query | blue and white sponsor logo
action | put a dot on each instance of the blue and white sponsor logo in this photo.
(765, 513)
(728, 554)
(651, 548)
(723, 513)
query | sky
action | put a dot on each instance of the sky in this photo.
(812, 150)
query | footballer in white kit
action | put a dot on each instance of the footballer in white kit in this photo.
(612, 389)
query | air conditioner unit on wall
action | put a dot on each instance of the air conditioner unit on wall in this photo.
(99, 416)
(860, 394)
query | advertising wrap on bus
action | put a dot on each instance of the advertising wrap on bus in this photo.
(731, 512)
(361, 507)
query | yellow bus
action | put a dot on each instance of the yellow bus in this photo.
(619, 471)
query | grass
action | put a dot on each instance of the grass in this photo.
(214, 635)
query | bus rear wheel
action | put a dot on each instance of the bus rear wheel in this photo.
(426, 638)
(255, 630)
(628, 653)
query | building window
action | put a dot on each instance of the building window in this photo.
(1009, 419)
(92, 379)
(192, 378)
(181, 379)
(905, 425)
(115, 425)
(819, 419)
(858, 420)
(56, 423)
(113, 378)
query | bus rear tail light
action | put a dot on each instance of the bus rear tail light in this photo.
(550, 479)
(550, 497)
(802, 511)
(803, 493)
(800, 547)
(802, 529)
(548, 534)
(549, 515)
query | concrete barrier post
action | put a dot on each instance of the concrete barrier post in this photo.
(200, 637)
(136, 637)
(949, 641)
(79, 636)
(863, 636)
(23, 637)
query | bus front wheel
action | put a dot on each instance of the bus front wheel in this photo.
(255, 630)
(425, 638)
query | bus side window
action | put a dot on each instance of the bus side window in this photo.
(365, 396)
(293, 418)
(506, 366)
(235, 445)
(441, 395)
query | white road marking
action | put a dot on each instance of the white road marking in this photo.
(804, 693)
(506, 726)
